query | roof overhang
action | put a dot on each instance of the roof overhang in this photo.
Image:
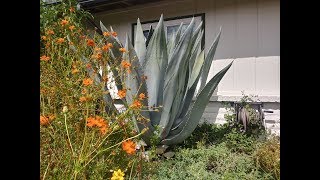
(95, 6)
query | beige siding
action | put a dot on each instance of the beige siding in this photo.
(250, 35)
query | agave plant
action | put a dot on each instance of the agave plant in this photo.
(172, 70)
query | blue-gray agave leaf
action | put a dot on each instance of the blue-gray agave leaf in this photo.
(154, 66)
(175, 80)
(139, 43)
(191, 120)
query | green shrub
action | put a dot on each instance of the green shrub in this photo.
(213, 162)
(240, 142)
(267, 156)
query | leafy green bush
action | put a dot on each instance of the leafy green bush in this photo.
(239, 142)
(213, 162)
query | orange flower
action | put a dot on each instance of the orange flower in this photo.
(114, 34)
(142, 96)
(64, 22)
(136, 104)
(107, 34)
(74, 71)
(88, 65)
(50, 32)
(87, 82)
(105, 78)
(125, 64)
(97, 56)
(82, 99)
(70, 43)
(129, 147)
(44, 120)
(122, 93)
(60, 40)
(103, 130)
(97, 49)
(44, 58)
(98, 122)
(71, 9)
(110, 45)
(105, 47)
(91, 121)
(71, 27)
(122, 50)
(90, 42)
(84, 91)
(44, 38)
(51, 117)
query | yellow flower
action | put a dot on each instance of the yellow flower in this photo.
(117, 175)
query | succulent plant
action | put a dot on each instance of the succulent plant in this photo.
(173, 70)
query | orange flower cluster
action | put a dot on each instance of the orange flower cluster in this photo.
(97, 56)
(129, 147)
(114, 34)
(107, 47)
(142, 96)
(107, 34)
(71, 27)
(44, 38)
(74, 71)
(84, 98)
(45, 120)
(122, 50)
(136, 104)
(125, 64)
(122, 93)
(71, 9)
(87, 82)
(60, 40)
(99, 122)
(44, 58)
(64, 22)
(90, 42)
(50, 32)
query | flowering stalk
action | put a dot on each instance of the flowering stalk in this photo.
(113, 146)
(65, 123)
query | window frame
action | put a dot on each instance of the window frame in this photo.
(171, 20)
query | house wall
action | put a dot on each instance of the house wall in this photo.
(250, 35)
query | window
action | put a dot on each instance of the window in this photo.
(171, 25)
